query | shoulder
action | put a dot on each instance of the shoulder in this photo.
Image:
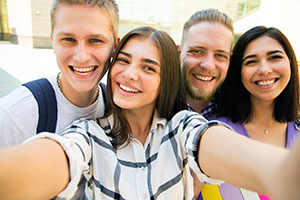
(294, 127)
(85, 126)
(18, 98)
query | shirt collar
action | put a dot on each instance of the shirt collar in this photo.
(208, 110)
(156, 121)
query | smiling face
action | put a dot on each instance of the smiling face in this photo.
(135, 76)
(82, 41)
(205, 58)
(265, 69)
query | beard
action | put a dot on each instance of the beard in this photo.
(198, 95)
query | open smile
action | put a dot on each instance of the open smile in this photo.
(83, 71)
(128, 89)
(203, 78)
(266, 82)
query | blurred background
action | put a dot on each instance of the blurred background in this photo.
(25, 47)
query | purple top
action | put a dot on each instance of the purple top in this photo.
(227, 191)
(292, 132)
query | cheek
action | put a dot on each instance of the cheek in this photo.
(155, 83)
(103, 54)
(244, 76)
(114, 74)
(224, 69)
(61, 52)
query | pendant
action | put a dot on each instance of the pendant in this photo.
(266, 131)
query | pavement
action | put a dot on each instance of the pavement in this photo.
(19, 64)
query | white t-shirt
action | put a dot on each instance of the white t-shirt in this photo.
(19, 114)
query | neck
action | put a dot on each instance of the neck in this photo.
(263, 127)
(80, 99)
(196, 104)
(141, 127)
(262, 111)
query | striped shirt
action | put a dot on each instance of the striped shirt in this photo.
(208, 110)
(159, 169)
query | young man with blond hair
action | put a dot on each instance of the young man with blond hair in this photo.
(83, 36)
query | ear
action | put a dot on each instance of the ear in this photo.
(51, 39)
(178, 49)
(117, 43)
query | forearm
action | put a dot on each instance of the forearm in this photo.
(35, 170)
(238, 160)
(287, 184)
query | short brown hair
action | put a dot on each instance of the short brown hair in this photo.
(209, 15)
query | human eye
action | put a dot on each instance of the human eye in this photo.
(95, 41)
(196, 52)
(221, 56)
(249, 62)
(275, 57)
(122, 60)
(68, 39)
(149, 68)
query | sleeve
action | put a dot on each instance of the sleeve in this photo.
(76, 145)
(18, 117)
(192, 126)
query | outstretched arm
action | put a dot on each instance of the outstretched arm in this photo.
(35, 170)
(246, 163)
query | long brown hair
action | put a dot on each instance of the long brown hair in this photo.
(238, 107)
(171, 98)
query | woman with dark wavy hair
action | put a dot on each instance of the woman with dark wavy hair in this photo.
(260, 96)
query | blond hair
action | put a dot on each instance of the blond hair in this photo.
(110, 6)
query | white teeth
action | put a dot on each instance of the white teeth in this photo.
(128, 89)
(264, 83)
(83, 70)
(204, 78)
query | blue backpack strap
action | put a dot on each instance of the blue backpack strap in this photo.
(103, 89)
(44, 95)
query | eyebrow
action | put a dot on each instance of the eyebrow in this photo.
(146, 60)
(268, 53)
(64, 33)
(125, 54)
(72, 35)
(218, 50)
(250, 56)
(222, 51)
(275, 51)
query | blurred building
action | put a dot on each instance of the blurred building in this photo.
(170, 15)
(4, 28)
(281, 14)
(27, 22)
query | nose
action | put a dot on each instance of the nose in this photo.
(207, 62)
(81, 53)
(264, 68)
(131, 72)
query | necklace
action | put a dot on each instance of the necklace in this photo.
(60, 88)
(267, 129)
(58, 83)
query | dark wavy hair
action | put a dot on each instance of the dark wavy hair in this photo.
(234, 99)
(171, 97)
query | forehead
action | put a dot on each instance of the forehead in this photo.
(263, 44)
(210, 35)
(142, 48)
(77, 19)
